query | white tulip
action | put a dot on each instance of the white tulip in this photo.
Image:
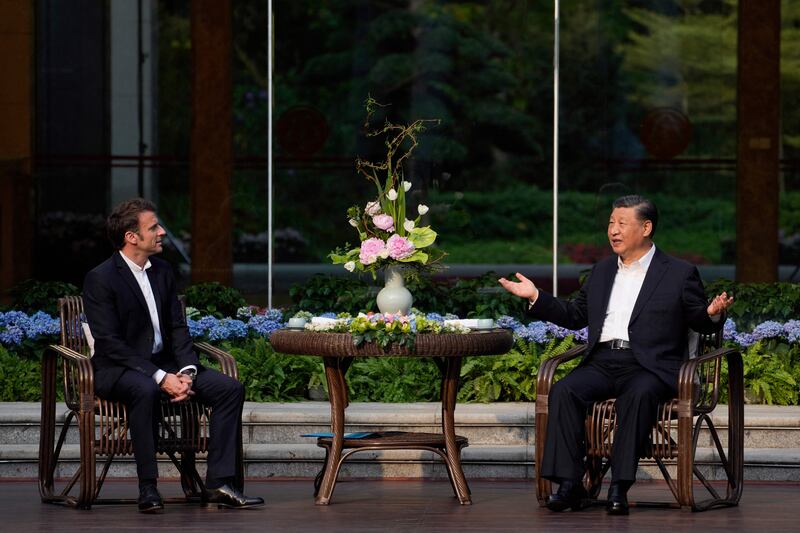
(408, 224)
(353, 222)
(406, 185)
(392, 195)
(422, 209)
(350, 266)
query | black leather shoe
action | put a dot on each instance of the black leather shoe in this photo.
(227, 496)
(570, 495)
(617, 499)
(150, 500)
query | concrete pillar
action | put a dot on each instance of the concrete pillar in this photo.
(211, 152)
(16, 132)
(758, 138)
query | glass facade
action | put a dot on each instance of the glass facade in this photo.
(647, 105)
(789, 239)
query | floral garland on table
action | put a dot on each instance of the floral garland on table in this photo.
(387, 237)
(385, 329)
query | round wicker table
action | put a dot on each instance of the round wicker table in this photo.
(337, 351)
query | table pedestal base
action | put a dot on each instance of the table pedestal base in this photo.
(447, 444)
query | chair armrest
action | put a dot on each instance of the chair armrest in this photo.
(226, 361)
(78, 377)
(547, 370)
(699, 380)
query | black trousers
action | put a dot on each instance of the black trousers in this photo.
(607, 374)
(142, 396)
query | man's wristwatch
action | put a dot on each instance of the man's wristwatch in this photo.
(191, 372)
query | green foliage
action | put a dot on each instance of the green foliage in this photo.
(214, 299)
(511, 377)
(272, 377)
(393, 379)
(514, 224)
(322, 294)
(22, 381)
(772, 372)
(32, 295)
(756, 302)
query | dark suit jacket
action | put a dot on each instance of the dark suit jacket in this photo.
(671, 301)
(120, 322)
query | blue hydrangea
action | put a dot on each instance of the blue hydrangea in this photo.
(11, 335)
(219, 332)
(41, 324)
(558, 332)
(792, 330)
(729, 330)
(436, 317)
(263, 325)
(768, 330)
(533, 332)
(195, 330)
(328, 315)
(450, 316)
(274, 314)
(744, 339)
(236, 328)
(12, 317)
(508, 322)
(582, 335)
(203, 327)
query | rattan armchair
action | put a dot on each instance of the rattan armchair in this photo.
(101, 424)
(676, 434)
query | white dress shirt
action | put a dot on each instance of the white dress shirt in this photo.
(140, 275)
(627, 285)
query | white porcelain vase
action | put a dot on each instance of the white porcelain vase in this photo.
(394, 298)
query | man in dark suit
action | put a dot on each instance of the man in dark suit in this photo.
(639, 305)
(143, 350)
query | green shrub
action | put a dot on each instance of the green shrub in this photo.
(214, 299)
(772, 372)
(393, 379)
(22, 378)
(756, 302)
(31, 295)
(322, 294)
(511, 377)
(272, 377)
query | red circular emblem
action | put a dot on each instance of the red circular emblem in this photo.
(665, 132)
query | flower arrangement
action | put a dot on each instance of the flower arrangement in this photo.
(386, 234)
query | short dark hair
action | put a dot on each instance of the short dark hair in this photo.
(125, 218)
(645, 209)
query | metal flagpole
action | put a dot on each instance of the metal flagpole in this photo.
(270, 61)
(556, 54)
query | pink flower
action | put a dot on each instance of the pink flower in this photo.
(373, 208)
(371, 250)
(399, 247)
(384, 222)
